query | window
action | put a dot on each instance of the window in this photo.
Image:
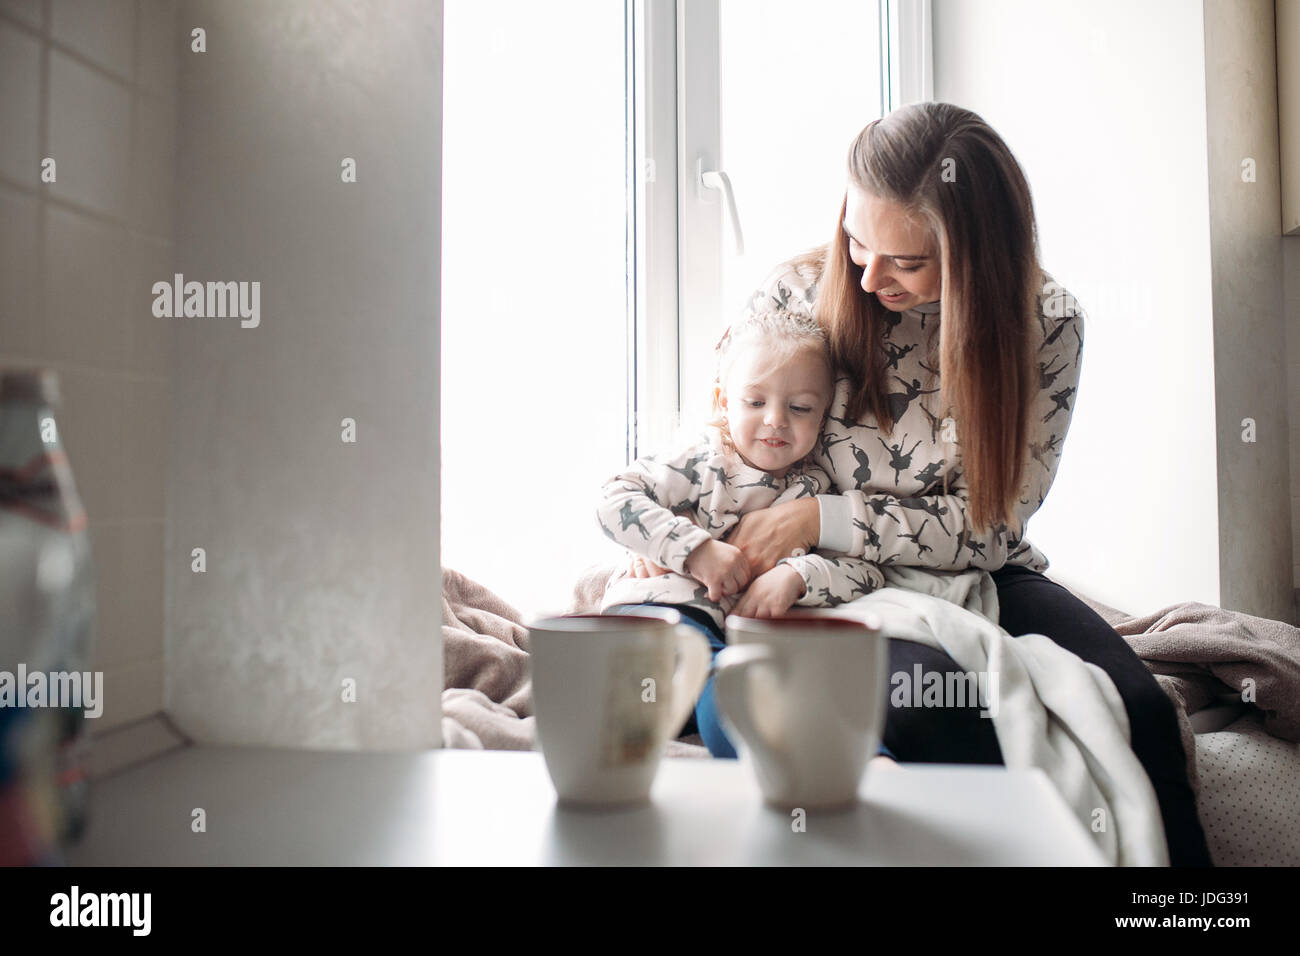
(794, 92)
(771, 94)
(587, 271)
(534, 293)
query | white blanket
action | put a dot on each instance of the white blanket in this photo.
(1053, 710)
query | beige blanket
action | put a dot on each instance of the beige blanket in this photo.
(487, 703)
(1196, 652)
(1050, 710)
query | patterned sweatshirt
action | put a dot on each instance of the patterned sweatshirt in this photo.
(903, 500)
(665, 508)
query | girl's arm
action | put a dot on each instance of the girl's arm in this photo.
(647, 507)
(834, 579)
(811, 580)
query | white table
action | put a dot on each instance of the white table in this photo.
(294, 807)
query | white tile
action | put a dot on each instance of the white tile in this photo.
(90, 423)
(142, 593)
(147, 336)
(101, 30)
(87, 275)
(128, 571)
(1293, 440)
(131, 692)
(112, 751)
(1291, 269)
(144, 449)
(1294, 456)
(90, 136)
(29, 12)
(20, 79)
(110, 640)
(19, 295)
(153, 169)
(157, 44)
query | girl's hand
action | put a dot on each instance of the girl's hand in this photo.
(639, 567)
(772, 594)
(720, 567)
(770, 534)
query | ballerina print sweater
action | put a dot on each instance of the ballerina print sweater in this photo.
(903, 499)
(664, 507)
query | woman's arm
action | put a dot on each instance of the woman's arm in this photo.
(791, 523)
(776, 532)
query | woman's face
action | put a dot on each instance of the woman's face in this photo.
(898, 255)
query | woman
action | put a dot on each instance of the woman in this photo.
(944, 325)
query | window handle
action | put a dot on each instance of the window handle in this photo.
(717, 179)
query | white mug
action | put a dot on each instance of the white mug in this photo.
(609, 691)
(806, 697)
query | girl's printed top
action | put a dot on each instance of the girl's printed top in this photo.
(903, 499)
(665, 508)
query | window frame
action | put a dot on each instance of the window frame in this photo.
(676, 225)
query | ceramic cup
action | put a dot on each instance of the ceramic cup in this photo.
(609, 691)
(804, 697)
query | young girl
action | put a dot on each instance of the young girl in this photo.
(770, 401)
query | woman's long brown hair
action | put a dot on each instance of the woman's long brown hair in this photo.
(981, 215)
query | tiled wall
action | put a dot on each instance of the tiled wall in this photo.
(91, 84)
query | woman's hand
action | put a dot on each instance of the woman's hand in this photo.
(639, 567)
(770, 534)
(772, 594)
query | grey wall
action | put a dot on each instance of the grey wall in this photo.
(1103, 104)
(92, 85)
(1291, 307)
(322, 556)
(1250, 355)
(1134, 154)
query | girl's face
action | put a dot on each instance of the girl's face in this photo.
(898, 255)
(774, 413)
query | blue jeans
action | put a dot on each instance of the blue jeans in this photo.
(705, 721)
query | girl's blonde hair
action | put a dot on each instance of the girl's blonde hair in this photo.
(783, 334)
(947, 167)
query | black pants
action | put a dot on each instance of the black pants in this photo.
(1031, 604)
